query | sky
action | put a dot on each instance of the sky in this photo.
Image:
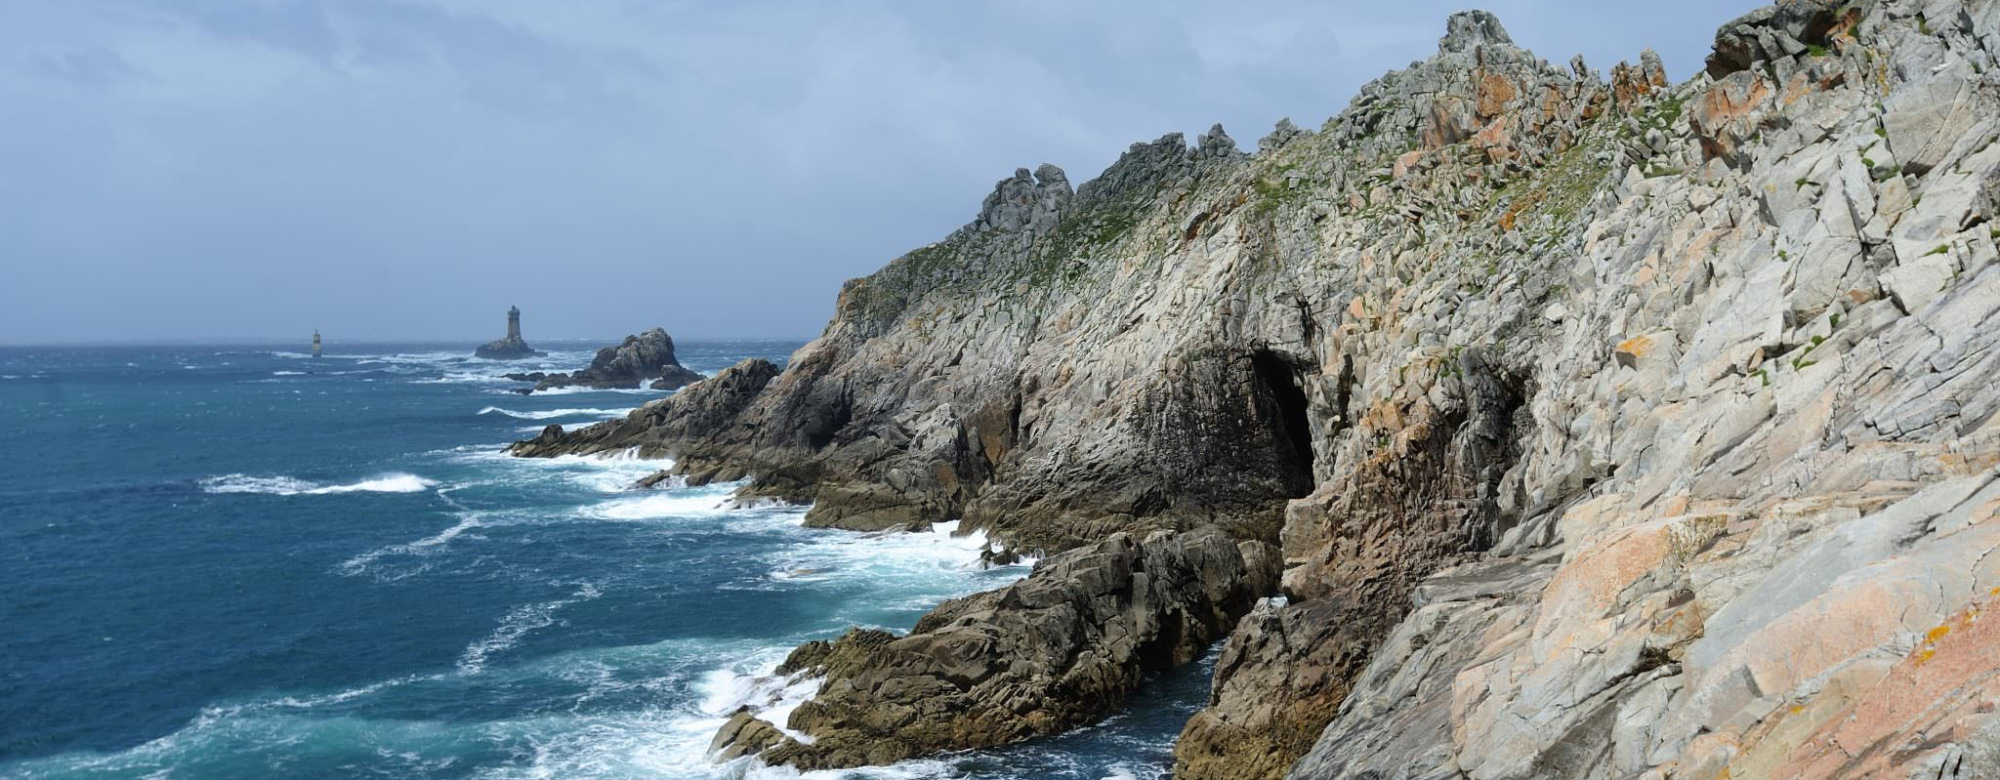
(252, 170)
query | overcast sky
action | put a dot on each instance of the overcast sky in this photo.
(175, 170)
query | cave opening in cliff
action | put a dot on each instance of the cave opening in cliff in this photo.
(1291, 426)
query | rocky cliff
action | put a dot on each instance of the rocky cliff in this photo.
(1606, 427)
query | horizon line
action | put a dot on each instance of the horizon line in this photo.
(307, 341)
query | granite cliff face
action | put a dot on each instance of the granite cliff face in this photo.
(1604, 427)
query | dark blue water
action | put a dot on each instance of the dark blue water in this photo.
(246, 563)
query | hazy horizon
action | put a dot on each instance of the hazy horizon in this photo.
(304, 343)
(401, 171)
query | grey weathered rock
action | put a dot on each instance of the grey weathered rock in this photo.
(646, 359)
(1618, 430)
(1058, 649)
(743, 735)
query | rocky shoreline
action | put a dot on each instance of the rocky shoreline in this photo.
(1059, 649)
(1598, 426)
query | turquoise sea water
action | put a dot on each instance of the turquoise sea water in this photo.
(239, 562)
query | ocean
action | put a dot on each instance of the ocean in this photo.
(242, 562)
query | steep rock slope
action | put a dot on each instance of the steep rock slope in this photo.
(1607, 428)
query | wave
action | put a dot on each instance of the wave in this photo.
(578, 390)
(920, 555)
(425, 546)
(704, 502)
(394, 482)
(551, 414)
(290, 373)
(518, 623)
(607, 473)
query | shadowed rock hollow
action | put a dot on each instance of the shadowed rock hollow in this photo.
(1604, 427)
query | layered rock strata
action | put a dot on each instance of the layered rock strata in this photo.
(1606, 427)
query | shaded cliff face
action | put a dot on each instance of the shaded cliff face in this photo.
(1608, 428)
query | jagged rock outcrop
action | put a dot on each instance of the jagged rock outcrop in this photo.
(646, 359)
(706, 408)
(1058, 649)
(1607, 428)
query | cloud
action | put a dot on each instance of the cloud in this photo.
(404, 168)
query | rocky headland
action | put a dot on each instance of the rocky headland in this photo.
(1602, 427)
(644, 360)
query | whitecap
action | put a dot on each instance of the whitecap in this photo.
(289, 373)
(911, 556)
(425, 546)
(551, 414)
(605, 473)
(394, 482)
(516, 624)
(577, 390)
(659, 506)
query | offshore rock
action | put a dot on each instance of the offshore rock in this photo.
(706, 408)
(510, 348)
(1056, 650)
(646, 360)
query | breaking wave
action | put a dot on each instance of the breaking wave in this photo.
(551, 414)
(395, 482)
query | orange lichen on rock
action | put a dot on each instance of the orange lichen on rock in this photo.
(1948, 690)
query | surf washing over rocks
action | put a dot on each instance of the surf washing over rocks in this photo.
(384, 591)
(1522, 421)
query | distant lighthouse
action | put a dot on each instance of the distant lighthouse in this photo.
(315, 343)
(511, 347)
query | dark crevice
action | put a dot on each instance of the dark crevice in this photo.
(820, 432)
(1284, 409)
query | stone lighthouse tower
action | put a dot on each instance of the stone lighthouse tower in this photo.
(511, 347)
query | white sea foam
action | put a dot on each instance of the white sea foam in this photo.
(551, 414)
(573, 390)
(289, 373)
(607, 473)
(518, 623)
(890, 554)
(703, 502)
(428, 545)
(394, 482)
